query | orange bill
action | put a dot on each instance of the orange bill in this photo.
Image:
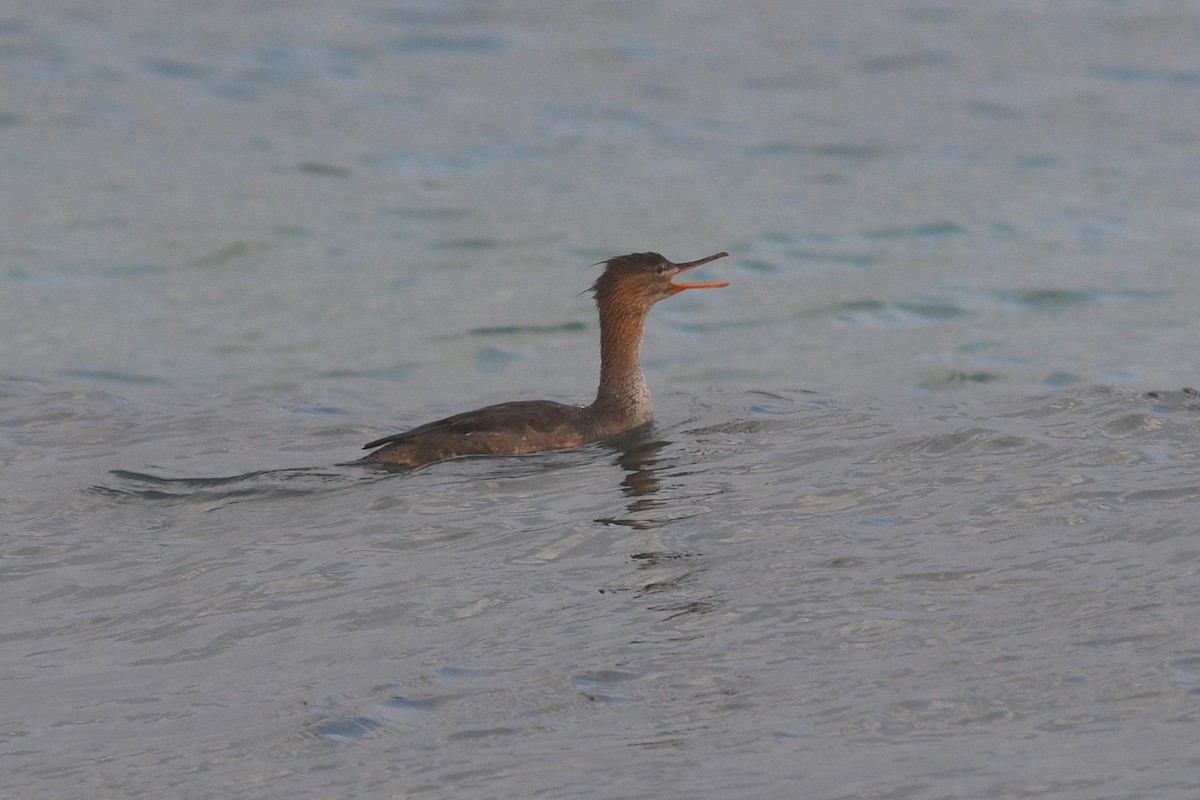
(679, 287)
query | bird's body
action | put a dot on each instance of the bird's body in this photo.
(625, 292)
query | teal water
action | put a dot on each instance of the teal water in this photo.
(917, 516)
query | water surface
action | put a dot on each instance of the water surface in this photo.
(916, 518)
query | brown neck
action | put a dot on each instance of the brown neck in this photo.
(623, 388)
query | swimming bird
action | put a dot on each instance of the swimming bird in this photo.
(625, 292)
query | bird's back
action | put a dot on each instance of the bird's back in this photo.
(522, 426)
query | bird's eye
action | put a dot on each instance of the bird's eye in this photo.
(662, 269)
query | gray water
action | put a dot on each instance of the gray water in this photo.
(917, 518)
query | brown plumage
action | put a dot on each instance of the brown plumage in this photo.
(626, 290)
